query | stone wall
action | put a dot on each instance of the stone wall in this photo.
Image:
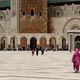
(42, 40)
(35, 22)
(63, 18)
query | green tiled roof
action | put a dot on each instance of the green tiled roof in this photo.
(4, 3)
(59, 1)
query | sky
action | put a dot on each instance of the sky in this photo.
(56, 1)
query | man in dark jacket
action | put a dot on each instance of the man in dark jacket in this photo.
(37, 51)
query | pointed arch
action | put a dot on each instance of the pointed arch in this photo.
(52, 43)
(43, 42)
(14, 42)
(23, 43)
(4, 43)
(62, 43)
(69, 24)
(33, 43)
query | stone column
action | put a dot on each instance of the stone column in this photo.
(6, 43)
(9, 43)
(18, 43)
(73, 40)
(28, 41)
(18, 16)
(37, 41)
(67, 41)
(56, 44)
(70, 42)
(47, 42)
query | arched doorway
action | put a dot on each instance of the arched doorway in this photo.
(52, 43)
(43, 42)
(77, 42)
(23, 43)
(14, 43)
(4, 43)
(62, 43)
(33, 43)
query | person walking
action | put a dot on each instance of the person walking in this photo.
(37, 51)
(33, 52)
(42, 51)
(76, 60)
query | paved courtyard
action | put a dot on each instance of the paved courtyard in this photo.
(19, 65)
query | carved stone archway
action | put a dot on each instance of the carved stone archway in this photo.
(52, 43)
(33, 43)
(14, 43)
(23, 43)
(62, 43)
(74, 22)
(43, 42)
(4, 43)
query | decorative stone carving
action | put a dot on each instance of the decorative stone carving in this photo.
(77, 11)
(13, 7)
(2, 15)
(73, 23)
(56, 11)
(1, 29)
(75, 27)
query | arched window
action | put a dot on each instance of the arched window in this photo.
(1, 17)
(40, 14)
(32, 12)
(23, 13)
(58, 14)
(77, 11)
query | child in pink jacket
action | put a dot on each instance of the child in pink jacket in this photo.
(76, 60)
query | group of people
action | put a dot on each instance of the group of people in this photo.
(75, 57)
(37, 51)
(76, 60)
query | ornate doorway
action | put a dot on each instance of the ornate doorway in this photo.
(77, 42)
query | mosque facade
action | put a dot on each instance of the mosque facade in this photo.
(30, 24)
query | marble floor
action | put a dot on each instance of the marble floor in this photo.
(21, 65)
